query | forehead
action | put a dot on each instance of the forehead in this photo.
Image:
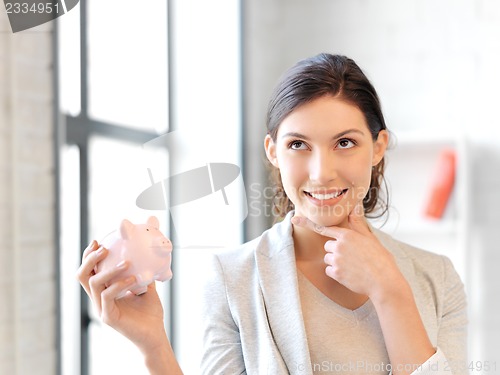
(324, 115)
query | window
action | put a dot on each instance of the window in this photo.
(206, 88)
(114, 97)
(120, 89)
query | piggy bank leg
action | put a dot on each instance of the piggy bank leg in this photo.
(165, 275)
(143, 280)
(140, 290)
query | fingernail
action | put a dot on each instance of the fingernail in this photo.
(100, 251)
(122, 264)
(318, 228)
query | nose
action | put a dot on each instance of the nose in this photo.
(159, 241)
(323, 167)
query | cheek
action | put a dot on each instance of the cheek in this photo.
(360, 178)
(291, 181)
(292, 169)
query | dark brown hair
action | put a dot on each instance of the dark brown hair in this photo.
(339, 77)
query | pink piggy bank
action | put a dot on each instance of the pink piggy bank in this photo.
(144, 247)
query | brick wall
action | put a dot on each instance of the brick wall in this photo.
(27, 264)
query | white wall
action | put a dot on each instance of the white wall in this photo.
(27, 261)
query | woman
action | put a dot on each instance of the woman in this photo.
(321, 291)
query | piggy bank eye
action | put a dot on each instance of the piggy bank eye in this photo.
(147, 229)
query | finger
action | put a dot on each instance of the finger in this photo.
(99, 282)
(333, 231)
(118, 288)
(329, 259)
(90, 248)
(333, 272)
(86, 269)
(111, 294)
(357, 219)
(331, 246)
(152, 285)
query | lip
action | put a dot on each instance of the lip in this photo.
(338, 196)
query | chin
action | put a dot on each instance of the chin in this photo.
(327, 220)
(330, 221)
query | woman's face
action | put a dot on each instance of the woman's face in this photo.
(325, 153)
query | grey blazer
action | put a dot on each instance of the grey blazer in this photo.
(252, 316)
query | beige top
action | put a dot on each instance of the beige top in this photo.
(340, 340)
(253, 321)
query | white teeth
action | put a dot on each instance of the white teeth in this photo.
(326, 196)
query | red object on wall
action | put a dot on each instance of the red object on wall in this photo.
(442, 184)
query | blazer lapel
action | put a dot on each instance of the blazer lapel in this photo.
(275, 259)
(404, 263)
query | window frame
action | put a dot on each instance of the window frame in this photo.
(78, 130)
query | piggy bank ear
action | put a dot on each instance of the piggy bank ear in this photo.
(153, 221)
(126, 229)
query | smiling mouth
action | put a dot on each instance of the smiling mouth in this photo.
(324, 197)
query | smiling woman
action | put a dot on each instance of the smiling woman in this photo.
(322, 286)
(297, 89)
(325, 152)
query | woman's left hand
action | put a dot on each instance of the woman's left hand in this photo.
(355, 257)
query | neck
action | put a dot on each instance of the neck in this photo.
(309, 245)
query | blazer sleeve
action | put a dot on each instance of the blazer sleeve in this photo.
(451, 355)
(452, 337)
(222, 351)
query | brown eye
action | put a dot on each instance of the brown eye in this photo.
(297, 145)
(346, 143)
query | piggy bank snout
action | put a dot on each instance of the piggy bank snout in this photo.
(162, 245)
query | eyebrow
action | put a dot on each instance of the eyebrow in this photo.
(336, 136)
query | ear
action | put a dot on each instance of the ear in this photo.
(153, 221)
(270, 147)
(126, 228)
(379, 146)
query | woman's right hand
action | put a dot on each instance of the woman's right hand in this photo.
(139, 318)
